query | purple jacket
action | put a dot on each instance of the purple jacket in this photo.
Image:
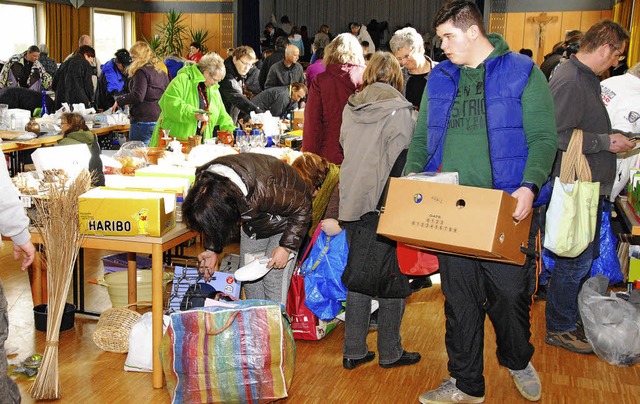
(327, 97)
(313, 70)
(145, 89)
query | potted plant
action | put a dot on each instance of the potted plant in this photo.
(172, 33)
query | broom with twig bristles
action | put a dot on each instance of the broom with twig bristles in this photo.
(58, 224)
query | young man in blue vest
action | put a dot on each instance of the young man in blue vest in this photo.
(486, 113)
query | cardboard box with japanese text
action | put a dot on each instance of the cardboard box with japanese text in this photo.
(455, 219)
(108, 212)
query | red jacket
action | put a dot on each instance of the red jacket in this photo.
(327, 97)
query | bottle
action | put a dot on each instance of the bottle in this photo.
(12, 122)
(43, 108)
(179, 200)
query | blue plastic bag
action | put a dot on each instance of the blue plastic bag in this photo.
(322, 272)
(607, 263)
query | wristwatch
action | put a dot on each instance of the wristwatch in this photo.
(533, 187)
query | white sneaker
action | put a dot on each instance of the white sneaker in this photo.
(448, 393)
(527, 382)
(254, 270)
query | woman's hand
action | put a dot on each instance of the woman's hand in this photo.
(208, 260)
(279, 258)
(114, 107)
(202, 117)
(330, 226)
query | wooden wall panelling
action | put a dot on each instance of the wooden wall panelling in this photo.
(514, 30)
(220, 27)
(589, 18)
(521, 33)
(570, 20)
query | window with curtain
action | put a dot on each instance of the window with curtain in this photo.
(108, 34)
(18, 32)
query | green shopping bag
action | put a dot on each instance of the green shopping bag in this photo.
(572, 213)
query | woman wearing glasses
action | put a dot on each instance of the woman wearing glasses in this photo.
(191, 104)
(269, 198)
(408, 47)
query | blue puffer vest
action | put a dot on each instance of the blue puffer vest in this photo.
(505, 80)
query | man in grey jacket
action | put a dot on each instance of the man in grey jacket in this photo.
(575, 87)
(286, 71)
(15, 225)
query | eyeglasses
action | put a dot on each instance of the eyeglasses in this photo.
(246, 63)
(621, 55)
(403, 58)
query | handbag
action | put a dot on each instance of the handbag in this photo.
(572, 213)
(372, 267)
(322, 272)
(416, 262)
(304, 324)
(235, 352)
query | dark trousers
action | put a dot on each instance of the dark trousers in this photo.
(474, 288)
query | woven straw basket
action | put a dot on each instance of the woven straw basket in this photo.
(113, 329)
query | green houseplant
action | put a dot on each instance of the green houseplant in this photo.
(172, 33)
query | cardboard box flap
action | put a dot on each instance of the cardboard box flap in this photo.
(72, 159)
(102, 193)
(160, 184)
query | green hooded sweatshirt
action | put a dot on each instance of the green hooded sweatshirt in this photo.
(180, 102)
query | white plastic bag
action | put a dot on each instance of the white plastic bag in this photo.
(140, 356)
(611, 324)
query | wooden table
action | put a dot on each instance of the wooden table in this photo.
(13, 147)
(132, 245)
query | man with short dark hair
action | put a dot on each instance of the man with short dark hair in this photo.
(487, 114)
(575, 86)
(24, 70)
(286, 71)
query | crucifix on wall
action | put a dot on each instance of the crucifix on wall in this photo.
(542, 21)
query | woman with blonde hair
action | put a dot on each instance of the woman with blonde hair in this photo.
(377, 126)
(328, 95)
(149, 79)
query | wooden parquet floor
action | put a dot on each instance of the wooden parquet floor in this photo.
(87, 374)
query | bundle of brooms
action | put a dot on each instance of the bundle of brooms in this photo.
(57, 222)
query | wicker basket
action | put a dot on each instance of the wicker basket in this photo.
(113, 329)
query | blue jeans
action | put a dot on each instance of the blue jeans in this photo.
(566, 280)
(142, 131)
(357, 314)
